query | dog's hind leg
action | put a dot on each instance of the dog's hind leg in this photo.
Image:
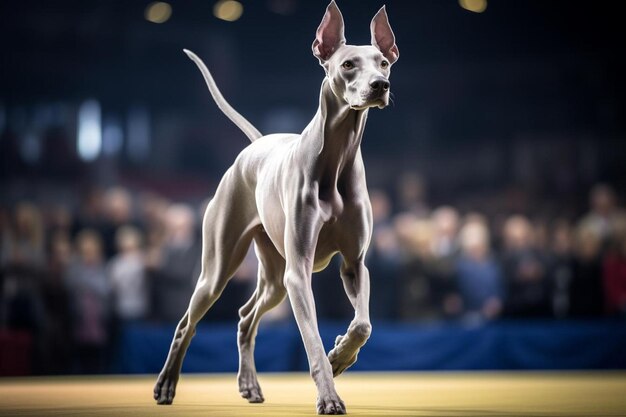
(229, 224)
(270, 292)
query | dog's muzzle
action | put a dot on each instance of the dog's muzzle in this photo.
(379, 85)
(377, 95)
(379, 92)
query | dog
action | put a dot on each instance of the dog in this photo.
(301, 198)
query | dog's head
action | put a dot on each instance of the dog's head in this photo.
(358, 75)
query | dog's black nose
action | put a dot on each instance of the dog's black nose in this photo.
(380, 84)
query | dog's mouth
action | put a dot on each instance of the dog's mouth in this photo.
(381, 102)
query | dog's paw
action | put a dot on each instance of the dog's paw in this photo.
(165, 389)
(342, 356)
(252, 394)
(331, 405)
(341, 359)
(250, 389)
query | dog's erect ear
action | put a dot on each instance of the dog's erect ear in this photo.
(383, 37)
(329, 36)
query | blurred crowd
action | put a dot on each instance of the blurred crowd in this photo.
(72, 276)
(440, 263)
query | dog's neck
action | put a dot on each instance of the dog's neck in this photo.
(332, 140)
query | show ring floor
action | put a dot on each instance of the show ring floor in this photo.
(365, 394)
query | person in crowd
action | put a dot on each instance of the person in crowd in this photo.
(22, 258)
(586, 294)
(526, 270)
(446, 222)
(423, 266)
(90, 211)
(561, 253)
(417, 301)
(24, 243)
(59, 219)
(118, 212)
(152, 209)
(614, 268)
(89, 290)
(57, 335)
(127, 276)
(604, 212)
(445, 248)
(478, 273)
(174, 266)
(129, 287)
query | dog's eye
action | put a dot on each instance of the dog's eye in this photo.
(384, 64)
(347, 65)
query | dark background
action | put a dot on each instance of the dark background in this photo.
(541, 75)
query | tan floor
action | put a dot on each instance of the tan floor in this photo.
(385, 394)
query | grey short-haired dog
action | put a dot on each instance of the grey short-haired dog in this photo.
(301, 198)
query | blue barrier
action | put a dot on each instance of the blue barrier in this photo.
(393, 347)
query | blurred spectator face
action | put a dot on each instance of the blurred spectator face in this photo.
(153, 209)
(28, 223)
(474, 239)
(517, 233)
(475, 217)
(128, 239)
(415, 234)
(446, 221)
(381, 206)
(180, 222)
(118, 205)
(602, 199)
(61, 247)
(89, 246)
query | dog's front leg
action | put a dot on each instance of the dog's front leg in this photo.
(355, 277)
(301, 233)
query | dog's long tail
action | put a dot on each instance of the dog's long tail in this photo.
(246, 127)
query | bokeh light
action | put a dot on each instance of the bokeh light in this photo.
(476, 6)
(158, 12)
(89, 130)
(229, 10)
